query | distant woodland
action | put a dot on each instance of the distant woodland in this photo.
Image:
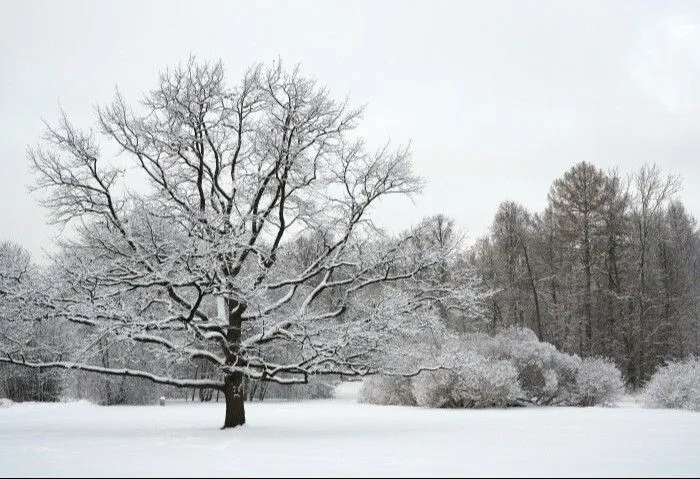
(611, 267)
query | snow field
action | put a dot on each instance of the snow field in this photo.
(339, 437)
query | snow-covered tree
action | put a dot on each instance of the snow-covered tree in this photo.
(234, 227)
(21, 299)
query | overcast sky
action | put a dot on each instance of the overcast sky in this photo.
(499, 98)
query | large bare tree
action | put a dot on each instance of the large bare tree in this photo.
(186, 240)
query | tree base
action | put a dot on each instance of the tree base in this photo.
(235, 409)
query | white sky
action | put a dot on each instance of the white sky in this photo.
(499, 98)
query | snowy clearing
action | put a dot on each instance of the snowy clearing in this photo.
(342, 438)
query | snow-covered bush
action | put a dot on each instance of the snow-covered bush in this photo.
(438, 389)
(4, 402)
(387, 391)
(598, 381)
(675, 385)
(546, 375)
(475, 382)
(510, 368)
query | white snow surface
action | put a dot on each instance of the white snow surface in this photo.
(339, 437)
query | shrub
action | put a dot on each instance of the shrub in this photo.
(477, 382)
(598, 381)
(675, 385)
(511, 368)
(387, 391)
(546, 375)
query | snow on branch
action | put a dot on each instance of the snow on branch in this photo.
(179, 383)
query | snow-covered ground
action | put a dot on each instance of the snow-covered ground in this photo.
(342, 438)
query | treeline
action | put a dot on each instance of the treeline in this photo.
(611, 267)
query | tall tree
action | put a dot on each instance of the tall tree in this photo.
(613, 310)
(233, 176)
(652, 192)
(512, 232)
(452, 284)
(678, 260)
(577, 201)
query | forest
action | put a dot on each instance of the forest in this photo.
(611, 267)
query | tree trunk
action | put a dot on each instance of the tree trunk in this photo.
(588, 320)
(535, 298)
(233, 391)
